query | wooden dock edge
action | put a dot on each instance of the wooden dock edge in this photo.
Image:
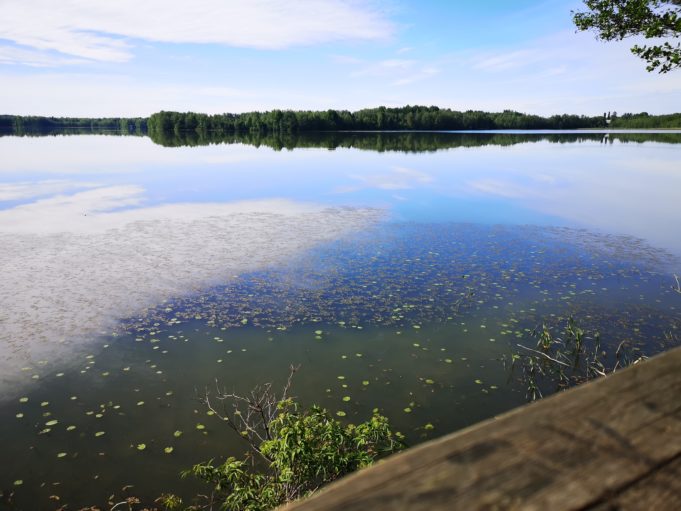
(611, 444)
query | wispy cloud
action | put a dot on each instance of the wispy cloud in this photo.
(396, 71)
(35, 58)
(399, 178)
(27, 190)
(506, 61)
(106, 31)
(422, 74)
(396, 64)
(346, 59)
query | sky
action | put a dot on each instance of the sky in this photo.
(132, 58)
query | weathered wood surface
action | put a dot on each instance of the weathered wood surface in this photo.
(607, 445)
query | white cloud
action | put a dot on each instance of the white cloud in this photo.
(346, 59)
(28, 189)
(563, 72)
(397, 64)
(398, 178)
(396, 72)
(34, 58)
(422, 74)
(506, 61)
(105, 31)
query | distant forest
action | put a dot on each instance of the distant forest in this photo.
(20, 124)
(405, 118)
(371, 119)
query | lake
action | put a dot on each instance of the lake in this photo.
(400, 271)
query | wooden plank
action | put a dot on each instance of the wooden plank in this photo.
(575, 450)
(658, 491)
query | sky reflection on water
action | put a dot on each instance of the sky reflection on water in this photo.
(398, 279)
(625, 188)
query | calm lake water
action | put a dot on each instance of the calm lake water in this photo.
(397, 270)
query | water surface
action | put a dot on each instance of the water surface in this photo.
(396, 269)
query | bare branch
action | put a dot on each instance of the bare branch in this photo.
(251, 415)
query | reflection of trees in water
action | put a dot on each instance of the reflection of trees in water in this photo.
(396, 141)
(384, 141)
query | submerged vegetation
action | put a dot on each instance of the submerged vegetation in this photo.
(293, 451)
(559, 362)
(411, 318)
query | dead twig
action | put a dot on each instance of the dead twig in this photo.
(543, 355)
(249, 415)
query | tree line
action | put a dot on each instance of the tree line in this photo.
(408, 118)
(21, 124)
(645, 120)
(381, 118)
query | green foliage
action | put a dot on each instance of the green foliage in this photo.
(646, 121)
(19, 125)
(381, 118)
(170, 502)
(306, 449)
(652, 19)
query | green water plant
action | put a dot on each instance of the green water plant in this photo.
(563, 359)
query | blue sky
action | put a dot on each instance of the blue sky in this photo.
(96, 58)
